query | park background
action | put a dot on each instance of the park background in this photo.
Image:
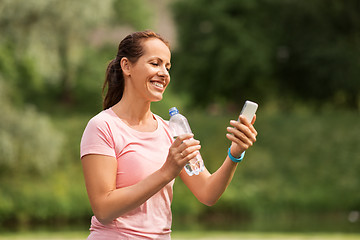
(300, 60)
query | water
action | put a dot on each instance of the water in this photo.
(178, 126)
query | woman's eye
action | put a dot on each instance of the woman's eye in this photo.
(154, 64)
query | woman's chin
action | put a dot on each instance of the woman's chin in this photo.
(157, 99)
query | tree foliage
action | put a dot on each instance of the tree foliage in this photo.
(49, 39)
(44, 50)
(29, 143)
(231, 50)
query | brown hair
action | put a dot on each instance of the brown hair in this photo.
(131, 48)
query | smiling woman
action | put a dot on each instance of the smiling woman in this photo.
(129, 51)
(149, 75)
(129, 157)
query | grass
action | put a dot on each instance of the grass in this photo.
(44, 235)
(190, 235)
(261, 236)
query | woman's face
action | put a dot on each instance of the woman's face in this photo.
(149, 76)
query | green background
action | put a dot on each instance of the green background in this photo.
(299, 60)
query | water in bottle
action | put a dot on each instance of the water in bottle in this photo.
(179, 125)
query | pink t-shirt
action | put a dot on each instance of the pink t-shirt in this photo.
(138, 155)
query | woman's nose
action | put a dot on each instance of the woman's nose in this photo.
(164, 72)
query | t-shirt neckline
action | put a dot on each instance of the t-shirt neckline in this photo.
(137, 132)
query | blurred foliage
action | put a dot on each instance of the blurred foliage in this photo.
(50, 33)
(47, 63)
(50, 86)
(135, 12)
(302, 164)
(305, 50)
(47, 40)
(29, 144)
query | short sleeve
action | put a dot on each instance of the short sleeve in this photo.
(97, 138)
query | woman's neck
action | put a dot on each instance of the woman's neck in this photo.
(136, 114)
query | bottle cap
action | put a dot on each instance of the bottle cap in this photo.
(173, 111)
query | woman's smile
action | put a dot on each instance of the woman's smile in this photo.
(159, 85)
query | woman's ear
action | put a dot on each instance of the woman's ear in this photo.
(125, 66)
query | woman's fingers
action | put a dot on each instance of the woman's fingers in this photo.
(242, 134)
(253, 120)
(243, 129)
(184, 147)
(248, 124)
(243, 142)
(179, 140)
(190, 151)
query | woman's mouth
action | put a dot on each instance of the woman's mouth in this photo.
(158, 84)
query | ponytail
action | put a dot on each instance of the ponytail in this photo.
(114, 82)
(131, 48)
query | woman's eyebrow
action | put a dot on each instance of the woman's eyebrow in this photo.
(161, 60)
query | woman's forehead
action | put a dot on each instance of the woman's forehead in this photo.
(154, 46)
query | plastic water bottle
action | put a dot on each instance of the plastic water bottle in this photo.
(179, 125)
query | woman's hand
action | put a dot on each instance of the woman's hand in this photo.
(183, 149)
(242, 134)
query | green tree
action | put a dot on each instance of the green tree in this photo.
(53, 36)
(231, 50)
(318, 50)
(28, 141)
(222, 52)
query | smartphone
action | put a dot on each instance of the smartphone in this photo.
(249, 110)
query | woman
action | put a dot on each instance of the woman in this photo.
(129, 158)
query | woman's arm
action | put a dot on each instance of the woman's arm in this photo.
(207, 187)
(108, 203)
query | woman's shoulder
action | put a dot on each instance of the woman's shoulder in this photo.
(103, 118)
